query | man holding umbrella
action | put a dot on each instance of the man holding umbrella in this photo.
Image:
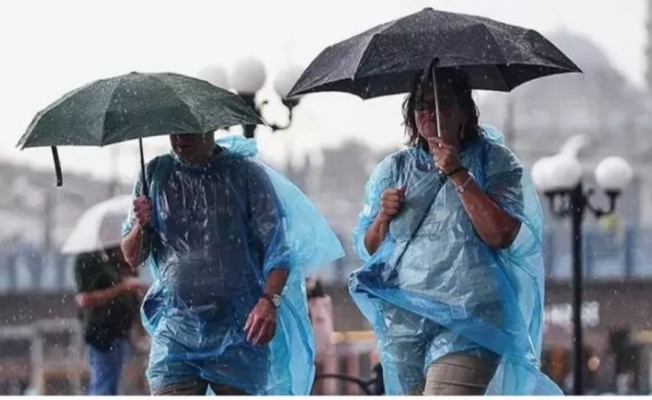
(224, 265)
(228, 240)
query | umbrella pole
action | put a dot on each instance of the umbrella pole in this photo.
(146, 230)
(434, 88)
(142, 168)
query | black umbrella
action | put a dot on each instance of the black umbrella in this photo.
(135, 106)
(386, 59)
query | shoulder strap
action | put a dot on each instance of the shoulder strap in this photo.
(158, 171)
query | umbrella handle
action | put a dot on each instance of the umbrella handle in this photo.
(142, 168)
(57, 166)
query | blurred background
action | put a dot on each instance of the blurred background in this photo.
(328, 148)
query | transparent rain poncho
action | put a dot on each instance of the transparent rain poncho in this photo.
(433, 287)
(219, 230)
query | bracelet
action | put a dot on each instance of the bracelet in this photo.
(460, 189)
(455, 171)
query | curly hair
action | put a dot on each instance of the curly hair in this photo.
(458, 82)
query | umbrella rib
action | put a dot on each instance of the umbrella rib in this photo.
(106, 108)
(198, 120)
(488, 34)
(364, 55)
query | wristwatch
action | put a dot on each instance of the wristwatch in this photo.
(273, 298)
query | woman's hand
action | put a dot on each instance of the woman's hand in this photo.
(447, 160)
(391, 203)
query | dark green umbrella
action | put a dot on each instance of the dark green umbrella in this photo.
(135, 106)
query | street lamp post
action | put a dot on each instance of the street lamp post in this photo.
(247, 79)
(560, 179)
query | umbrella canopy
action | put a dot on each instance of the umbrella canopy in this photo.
(135, 106)
(99, 228)
(385, 60)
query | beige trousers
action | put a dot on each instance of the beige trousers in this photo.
(459, 375)
(197, 388)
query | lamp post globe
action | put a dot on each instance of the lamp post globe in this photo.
(286, 79)
(248, 76)
(565, 172)
(540, 174)
(613, 174)
(216, 75)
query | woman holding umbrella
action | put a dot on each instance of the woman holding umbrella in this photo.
(448, 256)
(450, 233)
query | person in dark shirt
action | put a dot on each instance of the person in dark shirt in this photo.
(108, 296)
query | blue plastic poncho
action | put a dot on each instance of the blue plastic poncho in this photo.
(434, 288)
(220, 229)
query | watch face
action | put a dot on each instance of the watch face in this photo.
(274, 299)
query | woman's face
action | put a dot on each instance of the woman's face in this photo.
(452, 118)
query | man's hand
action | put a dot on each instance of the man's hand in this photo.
(391, 203)
(83, 299)
(136, 245)
(261, 324)
(143, 210)
(447, 160)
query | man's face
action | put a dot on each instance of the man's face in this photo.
(192, 147)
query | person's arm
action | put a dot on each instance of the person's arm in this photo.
(266, 223)
(132, 245)
(100, 297)
(267, 226)
(494, 211)
(494, 226)
(275, 282)
(376, 233)
(136, 240)
(488, 211)
(373, 224)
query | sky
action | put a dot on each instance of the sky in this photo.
(48, 48)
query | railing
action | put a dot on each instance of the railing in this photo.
(370, 387)
(609, 255)
(625, 253)
(50, 355)
(353, 346)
